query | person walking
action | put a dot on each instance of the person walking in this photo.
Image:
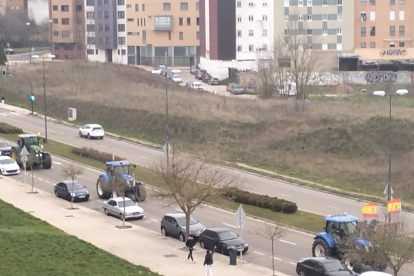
(208, 260)
(190, 244)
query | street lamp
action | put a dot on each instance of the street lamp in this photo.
(388, 190)
(44, 89)
(31, 45)
(52, 50)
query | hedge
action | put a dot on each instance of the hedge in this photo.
(95, 155)
(262, 201)
(8, 129)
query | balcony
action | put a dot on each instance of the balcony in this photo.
(163, 23)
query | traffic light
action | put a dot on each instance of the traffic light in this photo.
(4, 74)
(32, 97)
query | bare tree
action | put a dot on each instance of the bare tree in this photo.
(72, 171)
(272, 232)
(118, 187)
(189, 182)
(29, 166)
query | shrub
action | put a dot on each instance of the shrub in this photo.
(275, 206)
(289, 208)
(94, 154)
(8, 129)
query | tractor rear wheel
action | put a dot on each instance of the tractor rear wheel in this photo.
(100, 184)
(320, 248)
(141, 192)
(48, 161)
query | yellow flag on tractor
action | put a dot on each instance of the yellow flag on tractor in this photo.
(394, 206)
(113, 157)
(370, 210)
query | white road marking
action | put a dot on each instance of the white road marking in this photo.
(143, 157)
(258, 253)
(47, 182)
(285, 195)
(115, 149)
(79, 176)
(230, 225)
(40, 178)
(292, 263)
(154, 220)
(103, 146)
(287, 242)
(57, 163)
(276, 258)
(332, 207)
(179, 210)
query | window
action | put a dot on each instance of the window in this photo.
(106, 27)
(100, 14)
(339, 2)
(324, 31)
(363, 2)
(143, 9)
(198, 35)
(65, 34)
(251, 33)
(106, 14)
(392, 2)
(68, 56)
(121, 40)
(363, 45)
(300, 18)
(121, 27)
(339, 31)
(392, 15)
(264, 4)
(300, 3)
(401, 44)
(188, 21)
(372, 2)
(55, 7)
(264, 47)
(239, 48)
(166, 6)
(180, 21)
(90, 52)
(78, 8)
(90, 3)
(286, 3)
(339, 16)
(309, 31)
(197, 6)
(99, 2)
(100, 28)
(184, 6)
(324, 17)
(90, 15)
(106, 40)
(180, 35)
(372, 45)
(250, 17)
(55, 21)
(251, 48)
(56, 33)
(239, 19)
(401, 15)
(363, 31)
(264, 17)
(309, 3)
(90, 27)
(121, 2)
(106, 4)
(402, 30)
(136, 7)
(251, 4)
(402, 2)
(128, 5)
(131, 19)
(309, 17)
(144, 37)
(392, 30)
(363, 16)
(286, 18)
(64, 8)
(264, 32)
(372, 31)
(392, 44)
(239, 33)
(198, 21)
(65, 21)
(372, 15)
(238, 4)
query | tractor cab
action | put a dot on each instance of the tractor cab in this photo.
(341, 226)
(28, 140)
(119, 167)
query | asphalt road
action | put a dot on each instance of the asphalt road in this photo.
(24, 58)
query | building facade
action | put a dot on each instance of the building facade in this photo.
(68, 29)
(15, 6)
(162, 32)
(384, 30)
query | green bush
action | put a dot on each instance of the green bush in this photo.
(262, 201)
(8, 129)
(95, 155)
(3, 57)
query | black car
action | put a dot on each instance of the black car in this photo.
(322, 266)
(213, 81)
(67, 190)
(224, 239)
(5, 149)
(205, 78)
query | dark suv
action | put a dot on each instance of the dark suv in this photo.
(213, 81)
(174, 224)
(199, 74)
(205, 77)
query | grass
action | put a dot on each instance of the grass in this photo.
(339, 143)
(27, 49)
(34, 247)
(302, 220)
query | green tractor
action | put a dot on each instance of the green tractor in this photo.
(31, 142)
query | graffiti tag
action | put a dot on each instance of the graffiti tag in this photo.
(393, 52)
(381, 77)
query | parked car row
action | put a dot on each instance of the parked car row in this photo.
(202, 75)
(195, 85)
(172, 75)
(235, 88)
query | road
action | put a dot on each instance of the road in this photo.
(21, 59)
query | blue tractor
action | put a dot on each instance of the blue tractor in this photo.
(134, 189)
(341, 240)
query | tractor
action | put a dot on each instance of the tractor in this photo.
(31, 142)
(135, 189)
(341, 240)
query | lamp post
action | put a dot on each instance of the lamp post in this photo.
(388, 190)
(44, 90)
(31, 45)
(52, 50)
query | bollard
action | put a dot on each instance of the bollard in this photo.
(2, 99)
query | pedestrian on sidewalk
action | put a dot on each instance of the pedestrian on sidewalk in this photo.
(190, 244)
(209, 261)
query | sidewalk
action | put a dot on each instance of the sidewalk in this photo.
(136, 245)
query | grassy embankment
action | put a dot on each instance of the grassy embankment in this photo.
(27, 49)
(335, 144)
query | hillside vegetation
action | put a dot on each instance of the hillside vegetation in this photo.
(342, 144)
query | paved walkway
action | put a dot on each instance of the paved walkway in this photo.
(136, 245)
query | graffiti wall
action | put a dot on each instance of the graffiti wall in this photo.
(362, 78)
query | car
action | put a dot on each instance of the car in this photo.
(205, 78)
(224, 240)
(9, 51)
(236, 89)
(71, 189)
(322, 266)
(115, 207)
(8, 166)
(156, 71)
(197, 86)
(213, 81)
(5, 149)
(164, 72)
(92, 131)
(162, 66)
(176, 79)
(169, 75)
(193, 69)
(189, 84)
(174, 224)
(374, 273)
(228, 87)
(199, 73)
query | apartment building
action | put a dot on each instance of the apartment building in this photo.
(15, 6)
(235, 33)
(68, 28)
(162, 32)
(2, 7)
(384, 30)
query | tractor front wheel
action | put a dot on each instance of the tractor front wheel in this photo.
(100, 189)
(47, 164)
(141, 193)
(320, 248)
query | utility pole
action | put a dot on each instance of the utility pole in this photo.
(166, 123)
(44, 95)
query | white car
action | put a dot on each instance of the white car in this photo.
(156, 72)
(115, 207)
(176, 79)
(92, 131)
(197, 86)
(374, 273)
(8, 166)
